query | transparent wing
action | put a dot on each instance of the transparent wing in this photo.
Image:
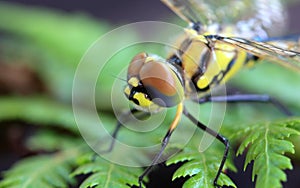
(268, 18)
(289, 43)
(285, 55)
(262, 17)
(184, 9)
(207, 12)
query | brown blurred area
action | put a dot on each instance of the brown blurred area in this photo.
(19, 79)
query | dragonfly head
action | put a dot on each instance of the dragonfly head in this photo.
(152, 83)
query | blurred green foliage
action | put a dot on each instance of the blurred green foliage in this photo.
(57, 39)
(52, 43)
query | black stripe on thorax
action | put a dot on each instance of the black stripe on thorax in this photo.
(175, 64)
(216, 79)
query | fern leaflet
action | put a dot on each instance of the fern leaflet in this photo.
(267, 143)
(41, 171)
(201, 167)
(104, 174)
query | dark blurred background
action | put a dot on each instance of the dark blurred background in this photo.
(114, 11)
(127, 11)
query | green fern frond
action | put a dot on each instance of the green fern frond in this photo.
(267, 143)
(104, 174)
(41, 171)
(201, 167)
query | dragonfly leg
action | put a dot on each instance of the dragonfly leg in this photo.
(217, 136)
(247, 98)
(156, 158)
(116, 131)
(164, 144)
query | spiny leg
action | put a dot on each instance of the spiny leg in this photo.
(164, 143)
(214, 134)
(247, 98)
(117, 129)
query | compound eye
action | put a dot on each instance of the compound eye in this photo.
(161, 82)
(136, 65)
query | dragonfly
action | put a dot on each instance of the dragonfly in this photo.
(210, 51)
